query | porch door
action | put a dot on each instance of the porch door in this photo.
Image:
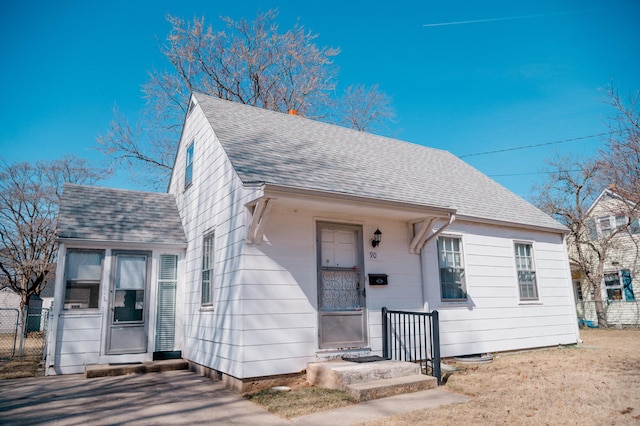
(341, 292)
(128, 305)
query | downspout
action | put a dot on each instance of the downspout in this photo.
(54, 313)
(452, 218)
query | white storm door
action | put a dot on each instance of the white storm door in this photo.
(341, 293)
(128, 304)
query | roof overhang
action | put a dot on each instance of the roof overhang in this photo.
(275, 190)
(558, 230)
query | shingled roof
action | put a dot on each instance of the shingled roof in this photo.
(105, 214)
(287, 150)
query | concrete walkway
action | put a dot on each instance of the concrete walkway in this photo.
(172, 397)
(381, 408)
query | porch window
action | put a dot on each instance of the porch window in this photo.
(206, 298)
(452, 279)
(526, 271)
(83, 270)
(619, 285)
(188, 171)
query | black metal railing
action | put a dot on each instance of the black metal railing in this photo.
(413, 337)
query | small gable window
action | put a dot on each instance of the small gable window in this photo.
(188, 171)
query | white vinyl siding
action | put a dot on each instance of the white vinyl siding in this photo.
(451, 265)
(526, 271)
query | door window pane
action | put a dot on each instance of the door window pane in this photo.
(129, 295)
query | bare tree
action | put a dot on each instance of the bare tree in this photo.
(621, 157)
(571, 188)
(29, 198)
(248, 62)
(573, 185)
(362, 107)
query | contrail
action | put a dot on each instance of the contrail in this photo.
(507, 18)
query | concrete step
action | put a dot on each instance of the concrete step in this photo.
(338, 374)
(391, 387)
(104, 370)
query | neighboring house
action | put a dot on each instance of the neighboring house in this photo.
(47, 294)
(9, 299)
(281, 222)
(612, 220)
(10, 305)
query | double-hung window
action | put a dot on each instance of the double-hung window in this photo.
(188, 171)
(526, 271)
(206, 295)
(450, 262)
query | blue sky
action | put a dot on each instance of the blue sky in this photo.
(465, 76)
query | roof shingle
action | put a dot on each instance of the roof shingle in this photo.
(105, 214)
(280, 149)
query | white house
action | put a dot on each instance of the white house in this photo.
(279, 214)
(612, 220)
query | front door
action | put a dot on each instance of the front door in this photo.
(128, 303)
(341, 292)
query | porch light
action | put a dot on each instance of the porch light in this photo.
(377, 237)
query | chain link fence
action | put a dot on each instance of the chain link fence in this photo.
(26, 340)
(620, 313)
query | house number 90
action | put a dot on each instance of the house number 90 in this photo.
(373, 255)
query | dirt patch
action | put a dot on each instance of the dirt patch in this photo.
(596, 382)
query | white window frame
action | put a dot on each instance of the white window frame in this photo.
(608, 224)
(86, 280)
(608, 285)
(458, 265)
(207, 277)
(526, 264)
(188, 169)
(619, 285)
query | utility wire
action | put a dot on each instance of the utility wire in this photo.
(536, 145)
(534, 173)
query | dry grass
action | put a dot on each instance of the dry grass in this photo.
(301, 401)
(19, 369)
(597, 382)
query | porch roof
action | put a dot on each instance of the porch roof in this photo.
(104, 214)
(292, 151)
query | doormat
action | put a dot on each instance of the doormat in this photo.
(362, 359)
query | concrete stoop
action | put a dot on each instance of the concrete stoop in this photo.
(371, 380)
(104, 370)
